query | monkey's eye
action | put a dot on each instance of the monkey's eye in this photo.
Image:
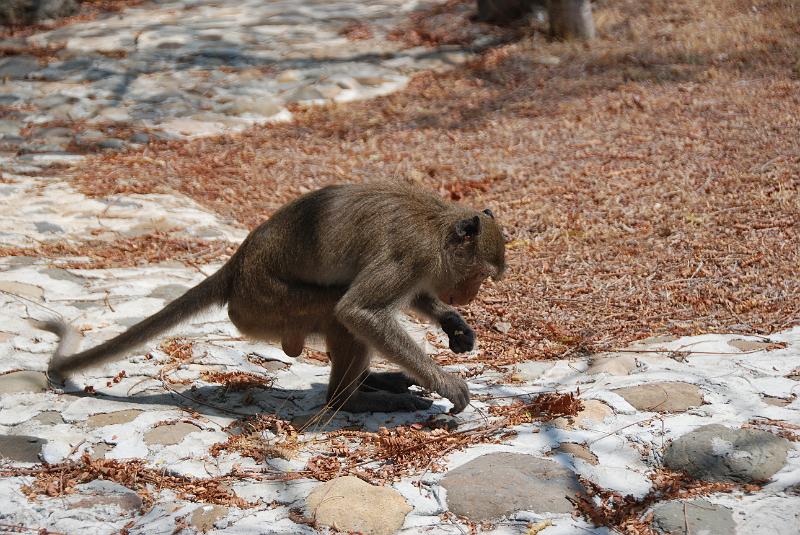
(489, 213)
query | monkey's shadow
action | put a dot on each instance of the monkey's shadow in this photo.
(303, 407)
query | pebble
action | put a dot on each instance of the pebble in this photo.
(498, 484)
(717, 453)
(353, 505)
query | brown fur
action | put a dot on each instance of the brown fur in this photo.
(341, 262)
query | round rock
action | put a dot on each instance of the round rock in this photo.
(684, 517)
(352, 505)
(717, 453)
(496, 485)
(662, 397)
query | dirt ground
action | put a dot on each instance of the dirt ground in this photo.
(648, 182)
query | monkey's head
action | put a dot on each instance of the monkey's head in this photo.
(475, 251)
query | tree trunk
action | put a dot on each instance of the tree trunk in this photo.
(24, 12)
(571, 19)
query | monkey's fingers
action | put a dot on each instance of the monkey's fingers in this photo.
(455, 389)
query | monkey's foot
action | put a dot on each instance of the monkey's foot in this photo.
(396, 382)
(384, 402)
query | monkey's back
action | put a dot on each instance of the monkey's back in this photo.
(328, 236)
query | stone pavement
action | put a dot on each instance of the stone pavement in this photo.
(176, 69)
(723, 407)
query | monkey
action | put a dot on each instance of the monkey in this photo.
(341, 262)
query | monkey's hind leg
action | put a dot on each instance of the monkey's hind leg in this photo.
(397, 382)
(349, 365)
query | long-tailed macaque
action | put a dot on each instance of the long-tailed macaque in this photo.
(341, 262)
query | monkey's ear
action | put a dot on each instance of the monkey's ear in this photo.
(468, 227)
(489, 213)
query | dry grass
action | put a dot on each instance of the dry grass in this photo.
(123, 252)
(61, 479)
(648, 183)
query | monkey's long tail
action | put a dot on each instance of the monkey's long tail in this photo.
(215, 290)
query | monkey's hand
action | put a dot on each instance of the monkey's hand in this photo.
(455, 389)
(461, 335)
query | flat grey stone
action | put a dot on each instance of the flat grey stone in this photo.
(99, 451)
(48, 418)
(614, 364)
(23, 381)
(103, 492)
(112, 418)
(18, 67)
(532, 370)
(579, 451)
(139, 137)
(662, 397)
(264, 106)
(684, 517)
(112, 143)
(304, 94)
(168, 292)
(353, 505)
(594, 412)
(204, 517)
(775, 402)
(716, 453)
(21, 448)
(169, 434)
(22, 288)
(129, 322)
(63, 275)
(10, 127)
(499, 484)
(750, 345)
(46, 227)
